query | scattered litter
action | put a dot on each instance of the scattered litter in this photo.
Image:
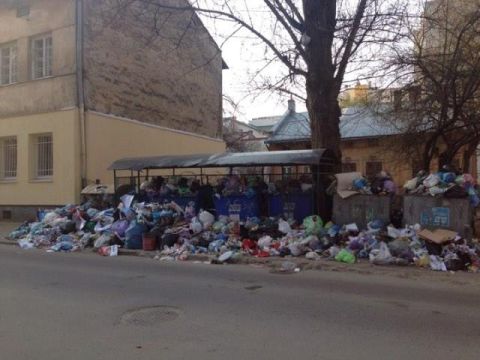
(180, 229)
(108, 250)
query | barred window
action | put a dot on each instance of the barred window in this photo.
(42, 55)
(349, 167)
(23, 10)
(373, 168)
(43, 145)
(8, 64)
(8, 157)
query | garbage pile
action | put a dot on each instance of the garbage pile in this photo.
(445, 183)
(349, 184)
(179, 233)
(440, 250)
(158, 188)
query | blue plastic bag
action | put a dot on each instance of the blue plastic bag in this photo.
(134, 235)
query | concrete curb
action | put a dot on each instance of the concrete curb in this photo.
(7, 242)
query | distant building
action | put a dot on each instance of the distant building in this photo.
(239, 136)
(366, 142)
(265, 124)
(357, 95)
(80, 88)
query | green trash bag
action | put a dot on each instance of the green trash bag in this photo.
(313, 225)
(345, 256)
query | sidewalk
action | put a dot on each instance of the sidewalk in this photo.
(5, 229)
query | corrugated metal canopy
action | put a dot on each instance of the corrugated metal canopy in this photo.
(265, 158)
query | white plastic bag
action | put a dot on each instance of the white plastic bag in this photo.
(264, 242)
(296, 249)
(431, 181)
(206, 219)
(312, 255)
(103, 240)
(284, 227)
(381, 256)
(25, 244)
(411, 184)
(351, 227)
(437, 264)
(196, 226)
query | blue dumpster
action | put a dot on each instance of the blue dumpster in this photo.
(237, 206)
(297, 205)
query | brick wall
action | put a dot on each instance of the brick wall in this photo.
(153, 65)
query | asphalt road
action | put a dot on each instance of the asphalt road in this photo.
(83, 306)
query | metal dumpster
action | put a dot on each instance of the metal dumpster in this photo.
(297, 206)
(439, 213)
(361, 209)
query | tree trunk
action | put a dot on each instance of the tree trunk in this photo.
(321, 85)
(325, 115)
(322, 90)
(467, 155)
(445, 159)
(428, 154)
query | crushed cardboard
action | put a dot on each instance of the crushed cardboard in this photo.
(439, 236)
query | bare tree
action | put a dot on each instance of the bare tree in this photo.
(437, 110)
(317, 42)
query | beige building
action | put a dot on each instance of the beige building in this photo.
(83, 83)
(366, 143)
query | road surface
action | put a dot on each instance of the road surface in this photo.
(83, 306)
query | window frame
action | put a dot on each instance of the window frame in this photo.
(23, 10)
(4, 161)
(347, 164)
(369, 176)
(47, 56)
(47, 171)
(12, 63)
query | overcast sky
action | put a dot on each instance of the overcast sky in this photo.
(245, 55)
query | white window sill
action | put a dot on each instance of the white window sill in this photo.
(41, 180)
(42, 78)
(8, 181)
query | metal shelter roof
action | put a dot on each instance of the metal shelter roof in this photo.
(265, 158)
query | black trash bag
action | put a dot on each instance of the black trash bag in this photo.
(456, 192)
(168, 240)
(68, 227)
(433, 249)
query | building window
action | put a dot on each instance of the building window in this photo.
(349, 167)
(416, 167)
(287, 170)
(23, 9)
(456, 164)
(372, 168)
(43, 156)
(42, 54)
(8, 149)
(8, 64)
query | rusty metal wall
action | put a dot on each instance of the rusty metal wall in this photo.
(439, 213)
(361, 209)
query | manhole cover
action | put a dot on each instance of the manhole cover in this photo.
(150, 316)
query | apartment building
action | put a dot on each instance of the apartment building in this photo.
(83, 83)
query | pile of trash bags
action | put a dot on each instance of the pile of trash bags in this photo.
(181, 232)
(249, 185)
(349, 184)
(446, 183)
